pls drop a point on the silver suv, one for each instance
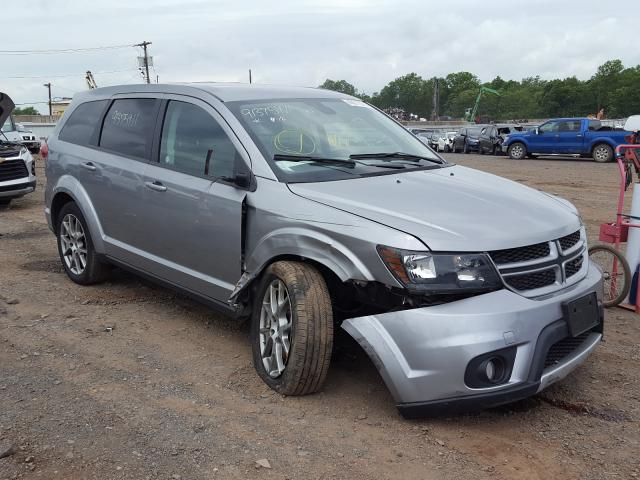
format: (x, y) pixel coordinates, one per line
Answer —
(307, 210)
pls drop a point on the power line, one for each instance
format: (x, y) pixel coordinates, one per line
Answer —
(66, 75)
(61, 50)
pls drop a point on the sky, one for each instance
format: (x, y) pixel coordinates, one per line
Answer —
(367, 43)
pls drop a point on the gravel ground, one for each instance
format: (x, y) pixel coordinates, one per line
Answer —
(130, 380)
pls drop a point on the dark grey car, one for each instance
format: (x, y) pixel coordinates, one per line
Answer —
(305, 210)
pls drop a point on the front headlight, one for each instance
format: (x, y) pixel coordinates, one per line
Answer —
(441, 272)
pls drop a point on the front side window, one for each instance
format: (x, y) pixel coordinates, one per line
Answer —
(128, 127)
(333, 134)
(194, 143)
(548, 127)
(81, 125)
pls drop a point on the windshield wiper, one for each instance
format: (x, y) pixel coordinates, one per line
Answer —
(391, 155)
(278, 157)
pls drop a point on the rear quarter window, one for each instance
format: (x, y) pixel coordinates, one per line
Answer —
(81, 125)
(128, 127)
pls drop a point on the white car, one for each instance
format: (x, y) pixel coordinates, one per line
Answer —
(445, 142)
(15, 132)
(17, 167)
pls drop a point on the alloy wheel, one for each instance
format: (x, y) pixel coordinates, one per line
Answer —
(275, 328)
(73, 244)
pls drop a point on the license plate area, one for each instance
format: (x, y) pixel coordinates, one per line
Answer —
(582, 314)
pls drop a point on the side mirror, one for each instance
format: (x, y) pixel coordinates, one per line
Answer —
(241, 180)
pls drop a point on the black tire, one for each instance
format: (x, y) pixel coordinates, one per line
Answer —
(311, 331)
(465, 149)
(4, 202)
(95, 270)
(517, 151)
(34, 151)
(605, 257)
(494, 150)
(602, 153)
(480, 150)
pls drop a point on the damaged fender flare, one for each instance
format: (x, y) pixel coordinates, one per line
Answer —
(306, 244)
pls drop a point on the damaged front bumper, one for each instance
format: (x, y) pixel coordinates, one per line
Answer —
(424, 355)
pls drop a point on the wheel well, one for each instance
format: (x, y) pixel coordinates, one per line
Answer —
(59, 201)
(332, 280)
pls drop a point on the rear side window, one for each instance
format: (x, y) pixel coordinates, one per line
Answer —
(81, 125)
(128, 127)
(193, 142)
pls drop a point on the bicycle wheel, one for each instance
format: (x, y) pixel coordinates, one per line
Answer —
(616, 274)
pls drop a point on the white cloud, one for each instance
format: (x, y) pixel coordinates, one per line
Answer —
(367, 43)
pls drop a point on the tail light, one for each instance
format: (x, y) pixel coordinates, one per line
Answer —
(44, 150)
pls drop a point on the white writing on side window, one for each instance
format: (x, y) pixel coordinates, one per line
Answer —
(124, 120)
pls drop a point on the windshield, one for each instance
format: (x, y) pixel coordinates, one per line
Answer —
(329, 129)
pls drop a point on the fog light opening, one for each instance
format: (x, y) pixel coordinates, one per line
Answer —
(493, 369)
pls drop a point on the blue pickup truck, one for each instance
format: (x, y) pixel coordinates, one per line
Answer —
(586, 137)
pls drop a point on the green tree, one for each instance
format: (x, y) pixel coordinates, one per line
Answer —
(409, 92)
(341, 86)
(25, 111)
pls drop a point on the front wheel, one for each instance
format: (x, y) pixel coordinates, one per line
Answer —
(292, 328)
(517, 151)
(616, 274)
(602, 153)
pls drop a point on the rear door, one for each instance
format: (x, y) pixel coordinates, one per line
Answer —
(193, 213)
(113, 174)
(569, 136)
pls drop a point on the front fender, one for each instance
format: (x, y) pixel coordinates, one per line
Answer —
(72, 187)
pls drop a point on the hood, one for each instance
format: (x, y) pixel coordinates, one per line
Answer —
(6, 107)
(451, 209)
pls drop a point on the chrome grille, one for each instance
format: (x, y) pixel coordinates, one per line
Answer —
(531, 281)
(544, 267)
(574, 266)
(569, 241)
(12, 170)
(521, 254)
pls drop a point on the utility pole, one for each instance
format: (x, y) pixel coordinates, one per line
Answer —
(146, 58)
(48, 85)
(435, 115)
(249, 75)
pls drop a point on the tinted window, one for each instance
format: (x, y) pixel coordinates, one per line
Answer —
(82, 123)
(128, 127)
(190, 135)
(548, 127)
(569, 126)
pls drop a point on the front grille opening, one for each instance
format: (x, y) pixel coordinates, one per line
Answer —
(570, 240)
(531, 281)
(521, 254)
(562, 349)
(574, 266)
(13, 170)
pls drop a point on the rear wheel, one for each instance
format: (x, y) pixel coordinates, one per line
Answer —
(616, 274)
(4, 202)
(517, 151)
(78, 257)
(602, 153)
(292, 328)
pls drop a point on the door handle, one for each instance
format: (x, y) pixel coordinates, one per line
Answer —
(89, 166)
(157, 186)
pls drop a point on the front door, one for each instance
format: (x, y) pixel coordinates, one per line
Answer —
(569, 136)
(544, 140)
(193, 216)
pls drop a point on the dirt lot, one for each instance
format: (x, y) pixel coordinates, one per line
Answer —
(129, 380)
